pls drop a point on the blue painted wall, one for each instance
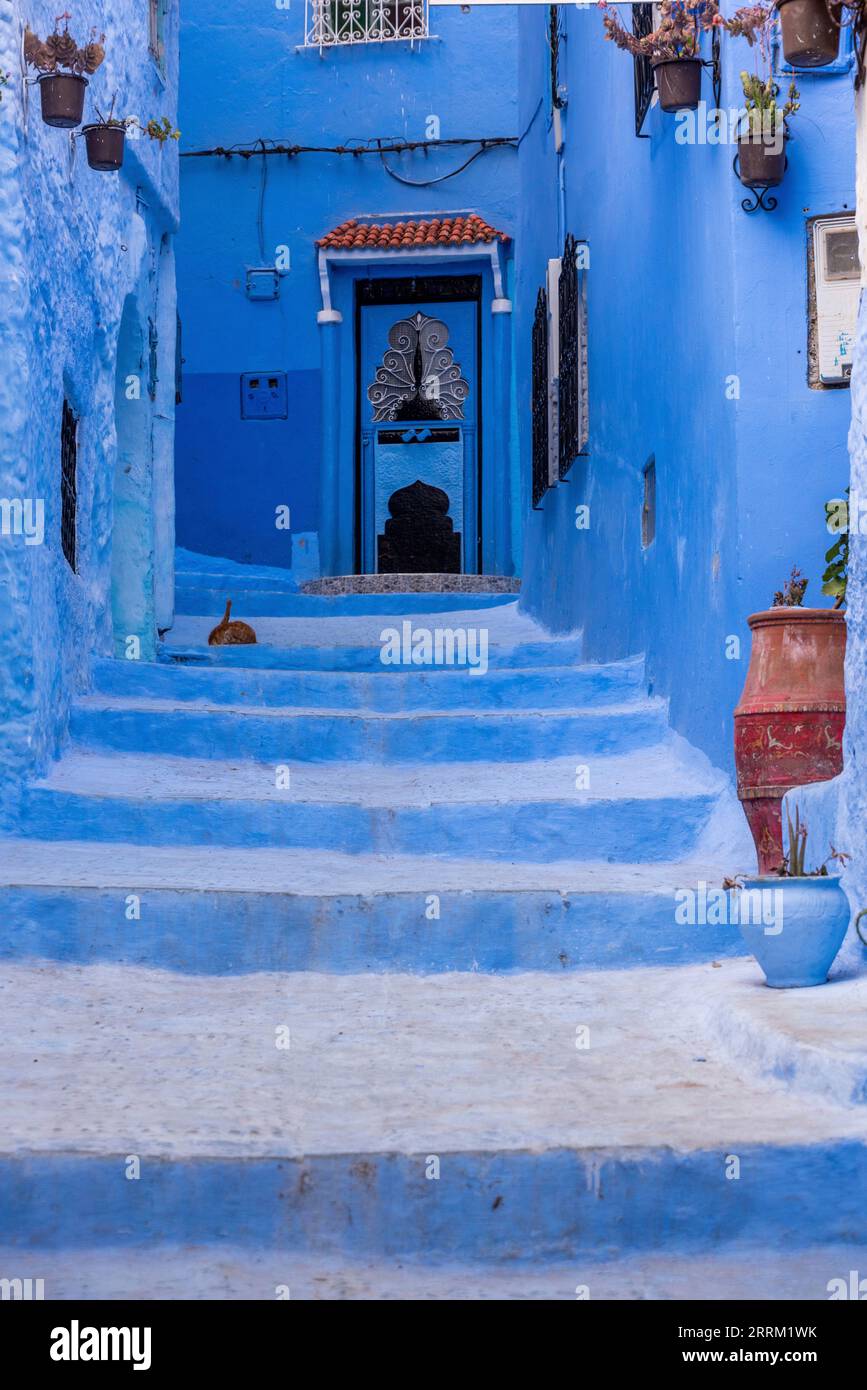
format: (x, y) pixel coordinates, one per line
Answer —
(685, 290)
(75, 246)
(245, 75)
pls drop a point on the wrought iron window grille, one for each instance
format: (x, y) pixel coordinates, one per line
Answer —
(557, 102)
(153, 359)
(644, 80)
(572, 358)
(540, 400)
(648, 504)
(336, 23)
(68, 484)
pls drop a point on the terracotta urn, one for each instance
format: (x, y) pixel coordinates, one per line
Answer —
(790, 718)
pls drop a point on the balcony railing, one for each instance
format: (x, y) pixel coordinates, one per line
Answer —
(332, 23)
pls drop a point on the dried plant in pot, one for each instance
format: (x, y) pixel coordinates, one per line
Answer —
(793, 921)
(673, 49)
(810, 32)
(61, 65)
(105, 139)
(764, 128)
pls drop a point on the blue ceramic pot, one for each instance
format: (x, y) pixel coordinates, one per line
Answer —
(794, 926)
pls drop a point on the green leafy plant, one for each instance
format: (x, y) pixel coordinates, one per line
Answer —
(836, 575)
(758, 25)
(161, 130)
(792, 594)
(157, 128)
(60, 49)
(677, 36)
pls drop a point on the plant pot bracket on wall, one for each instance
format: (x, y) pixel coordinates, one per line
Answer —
(715, 65)
(760, 192)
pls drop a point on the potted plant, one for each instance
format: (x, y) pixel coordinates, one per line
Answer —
(673, 49)
(762, 146)
(105, 138)
(811, 31)
(836, 576)
(794, 922)
(62, 93)
(789, 720)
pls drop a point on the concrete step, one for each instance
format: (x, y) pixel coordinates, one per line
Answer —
(242, 910)
(650, 806)
(275, 652)
(359, 627)
(138, 725)
(813, 1039)
(467, 1116)
(218, 1272)
(192, 567)
(208, 602)
(385, 691)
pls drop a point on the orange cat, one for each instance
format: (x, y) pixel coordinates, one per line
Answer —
(234, 634)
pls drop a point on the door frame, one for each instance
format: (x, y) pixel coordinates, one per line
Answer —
(444, 288)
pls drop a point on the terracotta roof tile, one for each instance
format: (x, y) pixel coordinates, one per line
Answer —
(400, 236)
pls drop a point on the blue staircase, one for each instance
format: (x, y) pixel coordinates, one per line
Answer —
(431, 880)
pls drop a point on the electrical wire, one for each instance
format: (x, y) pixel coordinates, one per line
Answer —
(429, 183)
(377, 145)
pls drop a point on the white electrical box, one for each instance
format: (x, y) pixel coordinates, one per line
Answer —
(837, 273)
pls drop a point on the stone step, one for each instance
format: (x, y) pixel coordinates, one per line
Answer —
(235, 1272)
(386, 691)
(236, 911)
(215, 570)
(275, 652)
(359, 627)
(346, 584)
(137, 725)
(463, 1116)
(815, 1039)
(208, 602)
(650, 806)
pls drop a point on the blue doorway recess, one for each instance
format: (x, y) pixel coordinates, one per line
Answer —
(419, 402)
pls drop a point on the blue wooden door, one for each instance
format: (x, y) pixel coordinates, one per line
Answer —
(419, 402)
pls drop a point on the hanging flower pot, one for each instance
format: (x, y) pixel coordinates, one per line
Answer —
(678, 82)
(672, 49)
(62, 96)
(105, 142)
(761, 160)
(811, 32)
(62, 92)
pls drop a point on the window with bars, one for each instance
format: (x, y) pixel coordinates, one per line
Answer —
(642, 25)
(540, 399)
(332, 23)
(648, 505)
(572, 355)
(153, 359)
(157, 32)
(68, 486)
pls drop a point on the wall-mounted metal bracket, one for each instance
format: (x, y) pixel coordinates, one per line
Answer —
(759, 192)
